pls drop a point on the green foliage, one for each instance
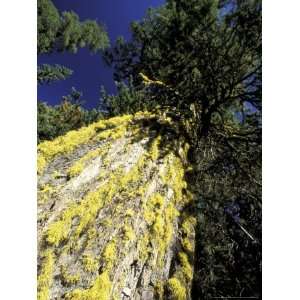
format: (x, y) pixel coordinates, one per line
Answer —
(74, 97)
(65, 32)
(48, 23)
(48, 74)
(57, 120)
(206, 60)
(127, 100)
(228, 260)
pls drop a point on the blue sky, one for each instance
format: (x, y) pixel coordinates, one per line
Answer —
(90, 72)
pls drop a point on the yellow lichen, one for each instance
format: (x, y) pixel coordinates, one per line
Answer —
(89, 207)
(174, 177)
(187, 245)
(188, 231)
(76, 169)
(149, 216)
(78, 166)
(112, 134)
(129, 212)
(186, 266)
(90, 264)
(44, 193)
(177, 290)
(58, 231)
(91, 236)
(67, 278)
(107, 222)
(115, 121)
(154, 150)
(160, 219)
(158, 226)
(129, 234)
(41, 164)
(143, 246)
(65, 144)
(156, 200)
(188, 224)
(45, 278)
(100, 290)
(170, 214)
(109, 254)
(152, 207)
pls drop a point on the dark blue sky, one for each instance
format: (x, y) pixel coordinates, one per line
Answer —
(90, 72)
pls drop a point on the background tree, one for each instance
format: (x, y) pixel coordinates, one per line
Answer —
(65, 32)
(57, 120)
(47, 74)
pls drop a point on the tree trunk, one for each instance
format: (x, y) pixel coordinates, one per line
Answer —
(113, 212)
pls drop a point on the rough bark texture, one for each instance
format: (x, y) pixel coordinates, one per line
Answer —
(113, 212)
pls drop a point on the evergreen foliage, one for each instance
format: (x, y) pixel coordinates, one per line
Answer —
(57, 120)
(127, 100)
(47, 74)
(65, 32)
(206, 60)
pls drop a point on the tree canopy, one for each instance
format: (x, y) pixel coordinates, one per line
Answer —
(207, 53)
(65, 32)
